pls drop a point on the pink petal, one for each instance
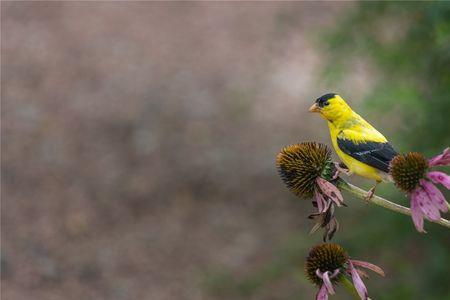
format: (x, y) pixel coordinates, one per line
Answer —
(423, 200)
(330, 190)
(416, 213)
(335, 273)
(434, 194)
(358, 283)
(440, 177)
(369, 266)
(326, 281)
(321, 204)
(441, 159)
(323, 293)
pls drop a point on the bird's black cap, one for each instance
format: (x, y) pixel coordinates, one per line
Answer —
(323, 100)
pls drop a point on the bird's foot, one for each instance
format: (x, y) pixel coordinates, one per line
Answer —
(341, 168)
(370, 194)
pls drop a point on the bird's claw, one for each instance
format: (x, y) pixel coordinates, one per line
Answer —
(341, 168)
(370, 194)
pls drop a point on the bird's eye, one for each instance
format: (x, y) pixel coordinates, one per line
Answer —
(326, 103)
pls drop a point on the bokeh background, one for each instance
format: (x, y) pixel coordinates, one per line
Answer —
(139, 139)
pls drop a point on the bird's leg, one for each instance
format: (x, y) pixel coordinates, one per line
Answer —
(341, 168)
(371, 192)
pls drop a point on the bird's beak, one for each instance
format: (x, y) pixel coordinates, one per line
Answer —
(314, 108)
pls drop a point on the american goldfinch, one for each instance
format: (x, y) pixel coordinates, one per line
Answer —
(363, 149)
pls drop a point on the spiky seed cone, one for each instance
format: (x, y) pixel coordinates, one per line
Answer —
(408, 169)
(325, 257)
(300, 164)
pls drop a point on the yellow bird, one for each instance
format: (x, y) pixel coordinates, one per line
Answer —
(362, 148)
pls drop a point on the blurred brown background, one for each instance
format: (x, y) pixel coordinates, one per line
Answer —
(139, 142)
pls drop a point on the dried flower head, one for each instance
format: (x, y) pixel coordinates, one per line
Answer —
(301, 164)
(411, 174)
(408, 169)
(308, 171)
(325, 257)
(327, 264)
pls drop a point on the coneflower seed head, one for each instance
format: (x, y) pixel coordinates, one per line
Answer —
(300, 164)
(408, 169)
(325, 257)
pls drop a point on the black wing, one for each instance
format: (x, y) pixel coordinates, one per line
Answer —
(377, 155)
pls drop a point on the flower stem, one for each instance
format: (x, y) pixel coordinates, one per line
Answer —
(361, 194)
(348, 285)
